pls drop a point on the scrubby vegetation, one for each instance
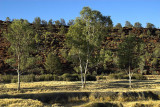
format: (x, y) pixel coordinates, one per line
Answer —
(125, 76)
(45, 77)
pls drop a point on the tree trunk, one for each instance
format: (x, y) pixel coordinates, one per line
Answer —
(81, 73)
(80, 66)
(18, 81)
(84, 81)
(18, 71)
(82, 77)
(130, 77)
(130, 81)
(85, 73)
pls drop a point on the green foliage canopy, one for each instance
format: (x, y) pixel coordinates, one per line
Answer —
(129, 52)
(52, 63)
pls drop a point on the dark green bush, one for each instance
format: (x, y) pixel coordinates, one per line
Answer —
(139, 77)
(75, 77)
(112, 76)
(66, 76)
(42, 77)
(70, 77)
(101, 77)
(90, 77)
(37, 77)
(48, 77)
(155, 73)
(27, 78)
(14, 79)
(45, 77)
(32, 77)
(117, 76)
(55, 78)
(60, 78)
(125, 76)
(6, 78)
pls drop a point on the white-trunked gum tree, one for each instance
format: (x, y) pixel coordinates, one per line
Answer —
(20, 34)
(85, 37)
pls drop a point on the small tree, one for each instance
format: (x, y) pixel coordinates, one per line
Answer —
(106, 56)
(71, 22)
(128, 24)
(148, 32)
(118, 26)
(44, 23)
(50, 26)
(137, 25)
(20, 35)
(158, 33)
(143, 58)
(57, 23)
(53, 64)
(156, 55)
(8, 19)
(108, 21)
(62, 22)
(129, 55)
(150, 26)
(37, 23)
(63, 30)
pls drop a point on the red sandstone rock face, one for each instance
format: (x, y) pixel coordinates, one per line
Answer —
(111, 42)
(4, 45)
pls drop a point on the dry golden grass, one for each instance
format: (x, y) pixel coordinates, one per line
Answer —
(149, 103)
(96, 86)
(20, 103)
(127, 104)
(64, 86)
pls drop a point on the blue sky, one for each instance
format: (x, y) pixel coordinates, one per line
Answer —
(142, 11)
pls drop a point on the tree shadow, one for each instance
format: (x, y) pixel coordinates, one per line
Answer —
(51, 98)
